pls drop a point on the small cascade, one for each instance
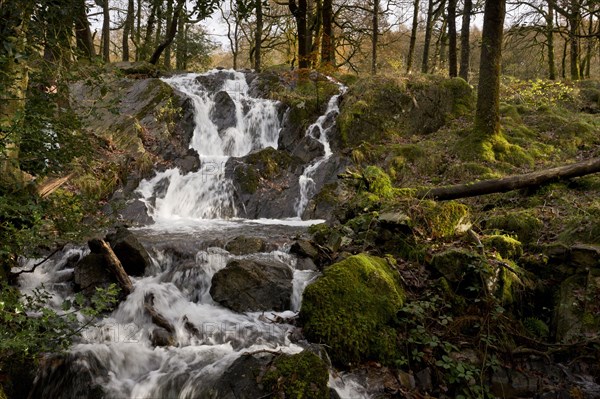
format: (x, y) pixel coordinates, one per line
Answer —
(228, 123)
(319, 131)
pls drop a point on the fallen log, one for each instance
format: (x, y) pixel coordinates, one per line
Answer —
(510, 183)
(114, 264)
(157, 318)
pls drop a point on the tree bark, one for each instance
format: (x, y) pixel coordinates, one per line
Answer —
(171, 32)
(374, 37)
(413, 36)
(574, 22)
(181, 53)
(512, 182)
(167, 57)
(156, 317)
(127, 29)
(427, 43)
(83, 33)
(105, 31)
(452, 46)
(487, 116)
(299, 12)
(327, 39)
(114, 264)
(258, 33)
(550, 41)
(465, 40)
(145, 47)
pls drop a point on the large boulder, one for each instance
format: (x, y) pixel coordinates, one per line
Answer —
(223, 114)
(131, 253)
(250, 285)
(214, 81)
(350, 309)
(92, 272)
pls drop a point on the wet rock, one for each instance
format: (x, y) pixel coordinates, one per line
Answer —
(240, 380)
(223, 113)
(92, 272)
(135, 212)
(214, 81)
(243, 245)
(71, 375)
(585, 256)
(161, 337)
(138, 69)
(304, 248)
(250, 285)
(308, 149)
(306, 264)
(131, 253)
(188, 163)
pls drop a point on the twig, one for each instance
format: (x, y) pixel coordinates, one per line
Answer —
(39, 263)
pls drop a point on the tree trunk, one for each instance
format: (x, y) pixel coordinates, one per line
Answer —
(15, 16)
(590, 45)
(59, 22)
(167, 58)
(427, 43)
(83, 33)
(413, 36)
(452, 46)
(487, 117)
(327, 39)
(465, 40)
(258, 33)
(145, 47)
(181, 54)
(299, 12)
(170, 34)
(138, 31)
(105, 31)
(574, 22)
(550, 41)
(510, 183)
(374, 37)
(127, 28)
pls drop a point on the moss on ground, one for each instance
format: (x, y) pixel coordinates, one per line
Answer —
(300, 376)
(350, 309)
(506, 246)
(524, 224)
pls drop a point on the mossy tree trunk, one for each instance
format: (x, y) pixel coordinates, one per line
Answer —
(83, 33)
(258, 33)
(487, 118)
(413, 36)
(15, 16)
(427, 43)
(105, 31)
(550, 41)
(452, 45)
(465, 40)
(127, 29)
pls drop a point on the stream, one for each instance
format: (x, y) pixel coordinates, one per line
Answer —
(195, 216)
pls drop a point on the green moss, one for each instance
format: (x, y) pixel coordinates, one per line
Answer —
(524, 224)
(300, 376)
(506, 246)
(440, 219)
(462, 94)
(378, 182)
(349, 308)
(536, 328)
(247, 178)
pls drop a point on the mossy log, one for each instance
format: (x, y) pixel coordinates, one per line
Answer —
(512, 182)
(114, 264)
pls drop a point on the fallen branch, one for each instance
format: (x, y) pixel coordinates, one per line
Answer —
(512, 182)
(114, 264)
(52, 185)
(39, 263)
(157, 318)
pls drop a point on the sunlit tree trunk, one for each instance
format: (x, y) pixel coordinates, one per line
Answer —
(465, 40)
(413, 36)
(487, 117)
(574, 22)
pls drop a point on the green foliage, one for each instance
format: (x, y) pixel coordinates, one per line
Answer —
(537, 93)
(349, 308)
(300, 376)
(29, 327)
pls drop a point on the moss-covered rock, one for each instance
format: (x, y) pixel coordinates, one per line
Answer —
(349, 309)
(524, 224)
(300, 376)
(440, 219)
(506, 246)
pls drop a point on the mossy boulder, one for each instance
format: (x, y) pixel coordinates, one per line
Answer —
(524, 224)
(577, 310)
(506, 246)
(350, 309)
(300, 376)
(440, 219)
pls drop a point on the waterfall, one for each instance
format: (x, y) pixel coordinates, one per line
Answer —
(319, 131)
(228, 123)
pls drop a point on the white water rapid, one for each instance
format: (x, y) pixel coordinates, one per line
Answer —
(319, 131)
(207, 193)
(195, 216)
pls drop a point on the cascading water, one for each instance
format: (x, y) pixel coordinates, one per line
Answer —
(319, 131)
(117, 354)
(251, 124)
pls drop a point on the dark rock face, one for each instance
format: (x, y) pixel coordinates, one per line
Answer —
(91, 272)
(161, 337)
(223, 114)
(308, 149)
(243, 245)
(250, 285)
(70, 376)
(131, 253)
(265, 183)
(134, 212)
(215, 81)
(240, 380)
